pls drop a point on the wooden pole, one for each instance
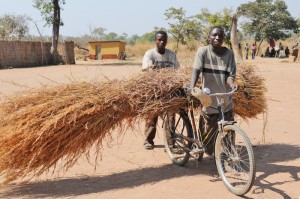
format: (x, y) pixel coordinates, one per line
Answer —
(234, 41)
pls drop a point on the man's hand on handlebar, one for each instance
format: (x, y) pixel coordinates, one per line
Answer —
(233, 86)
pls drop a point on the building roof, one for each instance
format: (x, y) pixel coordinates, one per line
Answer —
(106, 41)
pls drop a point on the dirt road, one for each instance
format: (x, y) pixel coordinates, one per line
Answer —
(128, 171)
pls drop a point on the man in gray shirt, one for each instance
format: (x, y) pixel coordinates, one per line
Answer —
(157, 58)
(216, 67)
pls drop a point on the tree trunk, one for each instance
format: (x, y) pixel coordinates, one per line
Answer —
(234, 40)
(55, 31)
(258, 47)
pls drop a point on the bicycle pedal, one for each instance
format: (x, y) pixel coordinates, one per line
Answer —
(196, 152)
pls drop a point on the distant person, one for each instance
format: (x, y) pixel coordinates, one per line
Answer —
(272, 43)
(253, 49)
(287, 52)
(281, 51)
(272, 52)
(295, 52)
(246, 51)
(276, 51)
(155, 59)
(267, 52)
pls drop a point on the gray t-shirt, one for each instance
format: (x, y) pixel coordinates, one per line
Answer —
(214, 71)
(166, 60)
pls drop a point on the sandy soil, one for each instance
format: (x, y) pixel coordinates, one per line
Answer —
(128, 171)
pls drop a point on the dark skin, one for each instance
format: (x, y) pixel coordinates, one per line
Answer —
(161, 41)
(216, 39)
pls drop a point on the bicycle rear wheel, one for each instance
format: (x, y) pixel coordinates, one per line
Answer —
(235, 159)
(176, 147)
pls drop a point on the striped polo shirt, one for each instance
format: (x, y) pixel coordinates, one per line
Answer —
(214, 71)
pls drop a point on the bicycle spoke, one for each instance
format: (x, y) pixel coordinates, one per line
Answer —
(235, 162)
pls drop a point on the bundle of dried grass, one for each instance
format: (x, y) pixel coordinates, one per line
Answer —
(250, 100)
(39, 128)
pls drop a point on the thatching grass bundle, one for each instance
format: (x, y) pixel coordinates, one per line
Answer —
(250, 100)
(39, 128)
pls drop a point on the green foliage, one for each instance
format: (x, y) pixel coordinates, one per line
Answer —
(97, 33)
(110, 37)
(267, 19)
(133, 39)
(208, 20)
(14, 27)
(184, 29)
(46, 8)
(123, 37)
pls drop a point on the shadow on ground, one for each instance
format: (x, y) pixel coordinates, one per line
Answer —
(266, 155)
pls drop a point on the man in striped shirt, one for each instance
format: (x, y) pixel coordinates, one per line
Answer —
(216, 67)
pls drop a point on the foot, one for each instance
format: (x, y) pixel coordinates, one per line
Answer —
(148, 145)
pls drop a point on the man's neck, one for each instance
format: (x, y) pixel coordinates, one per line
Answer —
(218, 50)
(161, 51)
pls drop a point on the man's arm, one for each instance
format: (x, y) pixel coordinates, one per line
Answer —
(230, 80)
(148, 62)
(195, 76)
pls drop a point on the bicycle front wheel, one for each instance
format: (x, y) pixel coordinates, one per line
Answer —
(235, 159)
(176, 127)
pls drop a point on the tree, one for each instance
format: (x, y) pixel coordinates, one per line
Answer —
(183, 29)
(123, 37)
(50, 10)
(147, 37)
(208, 20)
(133, 39)
(14, 27)
(267, 19)
(110, 37)
(97, 33)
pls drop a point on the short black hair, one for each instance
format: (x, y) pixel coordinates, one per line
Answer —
(161, 32)
(214, 27)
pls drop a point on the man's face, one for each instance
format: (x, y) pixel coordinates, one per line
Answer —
(161, 41)
(216, 37)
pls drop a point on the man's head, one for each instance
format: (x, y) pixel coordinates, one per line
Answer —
(216, 36)
(161, 40)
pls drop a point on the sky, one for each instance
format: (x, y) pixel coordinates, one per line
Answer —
(119, 16)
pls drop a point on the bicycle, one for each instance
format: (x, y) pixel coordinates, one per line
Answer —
(233, 153)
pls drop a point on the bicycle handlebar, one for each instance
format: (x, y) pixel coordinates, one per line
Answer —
(223, 94)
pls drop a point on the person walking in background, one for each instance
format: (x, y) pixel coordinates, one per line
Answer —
(281, 51)
(272, 43)
(216, 67)
(246, 51)
(155, 59)
(253, 49)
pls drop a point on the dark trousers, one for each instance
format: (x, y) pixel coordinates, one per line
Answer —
(150, 129)
(253, 54)
(208, 125)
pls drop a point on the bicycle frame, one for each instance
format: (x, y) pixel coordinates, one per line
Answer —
(197, 134)
(233, 153)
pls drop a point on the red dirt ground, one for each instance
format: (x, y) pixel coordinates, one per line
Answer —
(128, 171)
